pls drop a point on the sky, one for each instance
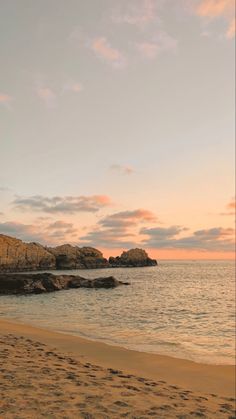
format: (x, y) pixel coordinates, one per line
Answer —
(117, 125)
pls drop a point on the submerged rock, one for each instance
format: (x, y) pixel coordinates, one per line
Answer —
(47, 282)
(132, 258)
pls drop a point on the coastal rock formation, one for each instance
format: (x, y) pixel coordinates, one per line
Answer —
(74, 257)
(132, 258)
(47, 282)
(15, 255)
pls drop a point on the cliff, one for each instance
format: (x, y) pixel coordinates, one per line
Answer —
(16, 256)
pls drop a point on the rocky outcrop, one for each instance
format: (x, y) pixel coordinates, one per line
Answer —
(16, 255)
(74, 257)
(132, 258)
(46, 282)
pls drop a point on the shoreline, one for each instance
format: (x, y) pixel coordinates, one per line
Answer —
(197, 377)
(111, 344)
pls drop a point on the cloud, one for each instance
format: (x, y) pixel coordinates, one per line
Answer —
(137, 12)
(213, 9)
(145, 16)
(230, 208)
(214, 239)
(127, 218)
(48, 234)
(104, 50)
(160, 42)
(107, 239)
(100, 46)
(5, 100)
(59, 224)
(117, 230)
(124, 170)
(63, 205)
(25, 232)
(47, 96)
(61, 228)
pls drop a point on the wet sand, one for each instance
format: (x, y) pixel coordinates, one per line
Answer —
(45, 374)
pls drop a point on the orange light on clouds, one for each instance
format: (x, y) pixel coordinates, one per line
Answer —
(219, 8)
(213, 8)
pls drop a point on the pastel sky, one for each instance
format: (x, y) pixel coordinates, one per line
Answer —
(117, 124)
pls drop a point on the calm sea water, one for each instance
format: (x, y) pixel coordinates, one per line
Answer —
(180, 308)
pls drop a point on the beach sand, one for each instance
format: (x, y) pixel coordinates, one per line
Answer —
(45, 374)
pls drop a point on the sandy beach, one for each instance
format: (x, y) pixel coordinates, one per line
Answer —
(46, 374)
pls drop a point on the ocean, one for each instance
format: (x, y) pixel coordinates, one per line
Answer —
(184, 309)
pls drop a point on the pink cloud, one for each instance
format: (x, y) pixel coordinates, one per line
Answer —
(103, 49)
(101, 199)
(5, 100)
(127, 218)
(144, 215)
(47, 96)
(213, 9)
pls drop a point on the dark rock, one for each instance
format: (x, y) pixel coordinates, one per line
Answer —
(132, 258)
(47, 282)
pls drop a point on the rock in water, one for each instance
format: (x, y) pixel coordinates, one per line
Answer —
(132, 258)
(17, 256)
(24, 283)
(74, 257)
